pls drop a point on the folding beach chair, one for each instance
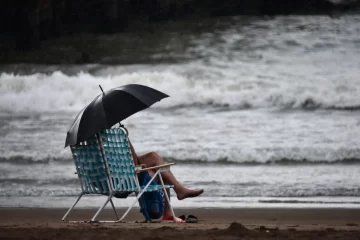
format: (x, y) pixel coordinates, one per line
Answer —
(105, 166)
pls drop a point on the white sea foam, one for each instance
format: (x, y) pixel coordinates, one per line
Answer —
(60, 92)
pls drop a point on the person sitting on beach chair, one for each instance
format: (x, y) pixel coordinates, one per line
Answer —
(152, 159)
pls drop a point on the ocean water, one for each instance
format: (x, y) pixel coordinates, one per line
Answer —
(263, 112)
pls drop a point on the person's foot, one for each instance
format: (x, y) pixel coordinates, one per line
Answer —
(189, 193)
(171, 219)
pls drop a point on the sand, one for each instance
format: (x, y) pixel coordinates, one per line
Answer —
(253, 223)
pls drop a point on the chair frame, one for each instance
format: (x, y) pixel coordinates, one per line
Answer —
(112, 191)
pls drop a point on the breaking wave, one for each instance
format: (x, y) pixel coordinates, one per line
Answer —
(25, 160)
(27, 181)
(307, 104)
(30, 93)
(308, 202)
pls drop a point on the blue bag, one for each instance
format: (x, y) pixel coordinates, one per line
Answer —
(152, 204)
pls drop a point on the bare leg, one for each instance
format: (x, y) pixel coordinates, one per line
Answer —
(153, 159)
(167, 210)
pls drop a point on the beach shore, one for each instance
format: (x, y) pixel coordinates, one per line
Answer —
(214, 223)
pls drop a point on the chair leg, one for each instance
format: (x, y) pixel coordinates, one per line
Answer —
(72, 207)
(132, 205)
(137, 197)
(113, 206)
(167, 197)
(102, 207)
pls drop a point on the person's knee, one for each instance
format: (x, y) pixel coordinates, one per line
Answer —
(154, 155)
(151, 159)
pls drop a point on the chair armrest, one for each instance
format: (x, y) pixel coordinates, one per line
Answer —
(156, 167)
(139, 167)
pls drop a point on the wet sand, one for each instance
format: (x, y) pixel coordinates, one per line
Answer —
(254, 223)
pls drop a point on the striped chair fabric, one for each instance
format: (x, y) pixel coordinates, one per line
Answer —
(120, 162)
(90, 167)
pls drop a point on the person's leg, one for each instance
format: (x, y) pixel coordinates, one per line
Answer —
(167, 209)
(153, 159)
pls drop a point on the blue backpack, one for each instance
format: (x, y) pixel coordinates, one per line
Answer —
(152, 204)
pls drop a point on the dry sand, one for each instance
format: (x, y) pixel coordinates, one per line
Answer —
(254, 223)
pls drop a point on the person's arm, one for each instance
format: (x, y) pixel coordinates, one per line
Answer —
(135, 157)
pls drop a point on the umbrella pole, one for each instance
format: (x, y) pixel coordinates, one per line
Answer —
(101, 146)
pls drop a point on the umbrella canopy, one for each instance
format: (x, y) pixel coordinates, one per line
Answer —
(110, 108)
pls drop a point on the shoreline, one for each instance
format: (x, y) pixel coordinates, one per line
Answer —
(247, 216)
(204, 202)
(216, 223)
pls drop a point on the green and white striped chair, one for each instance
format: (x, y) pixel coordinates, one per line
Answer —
(105, 166)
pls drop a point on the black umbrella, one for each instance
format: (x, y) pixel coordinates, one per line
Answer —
(110, 108)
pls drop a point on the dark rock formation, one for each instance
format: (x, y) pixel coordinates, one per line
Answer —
(269, 7)
(32, 21)
(28, 25)
(110, 16)
(158, 10)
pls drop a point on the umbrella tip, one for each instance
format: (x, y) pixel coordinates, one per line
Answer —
(101, 89)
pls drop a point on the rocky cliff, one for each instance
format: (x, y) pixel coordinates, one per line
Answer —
(32, 21)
